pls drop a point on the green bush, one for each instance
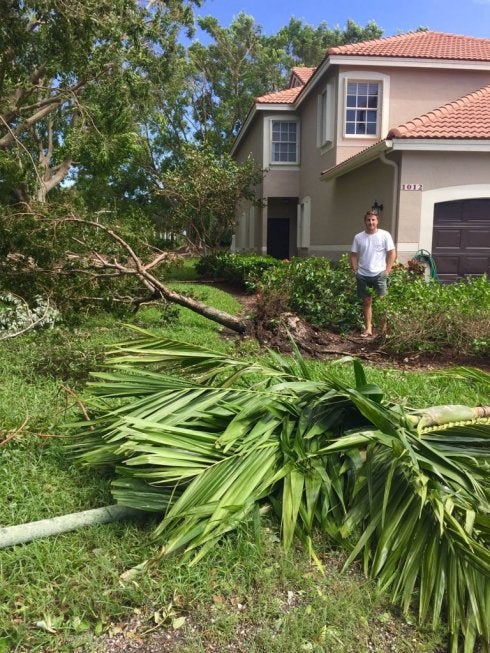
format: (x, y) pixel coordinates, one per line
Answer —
(323, 293)
(241, 270)
(430, 316)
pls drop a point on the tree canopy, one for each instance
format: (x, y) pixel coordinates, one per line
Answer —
(74, 78)
(100, 94)
(107, 113)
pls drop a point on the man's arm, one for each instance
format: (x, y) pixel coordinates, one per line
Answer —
(390, 259)
(354, 261)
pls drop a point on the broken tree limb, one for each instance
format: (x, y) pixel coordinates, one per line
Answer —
(138, 268)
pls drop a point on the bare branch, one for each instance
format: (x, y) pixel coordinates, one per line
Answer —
(163, 256)
(70, 392)
(49, 105)
(14, 433)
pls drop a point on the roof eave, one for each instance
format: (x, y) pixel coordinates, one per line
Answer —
(361, 159)
(407, 62)
(441, 144)
(258, 106)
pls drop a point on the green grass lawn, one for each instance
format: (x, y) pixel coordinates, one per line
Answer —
(66, 593)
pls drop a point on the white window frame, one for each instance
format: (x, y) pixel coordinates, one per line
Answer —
(364, 76)
(325, 116)
(268, 141)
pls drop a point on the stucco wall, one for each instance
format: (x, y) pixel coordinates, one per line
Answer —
(281, 183)
(412, 92)
(416, 91)
(445, 176)
(251, 145)
(346, 200)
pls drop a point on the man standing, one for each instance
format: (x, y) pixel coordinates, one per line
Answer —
(371, 259)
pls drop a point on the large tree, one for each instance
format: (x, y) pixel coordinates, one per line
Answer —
(73, 77)
(241, 63)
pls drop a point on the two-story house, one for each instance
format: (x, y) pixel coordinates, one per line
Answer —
(401, 124)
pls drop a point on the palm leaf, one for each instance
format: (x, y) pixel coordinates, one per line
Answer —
(204, 438)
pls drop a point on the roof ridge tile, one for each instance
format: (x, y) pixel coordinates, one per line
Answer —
(420, 45)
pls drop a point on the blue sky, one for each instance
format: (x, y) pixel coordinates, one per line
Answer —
(469, 17)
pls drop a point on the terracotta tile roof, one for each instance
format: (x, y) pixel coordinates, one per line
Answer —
(288, 96)
(303, 73)
(467, 117)
(423, 45)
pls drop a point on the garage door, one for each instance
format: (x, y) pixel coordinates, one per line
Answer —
(461, 238)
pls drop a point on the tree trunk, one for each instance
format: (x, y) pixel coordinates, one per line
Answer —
(225, 319)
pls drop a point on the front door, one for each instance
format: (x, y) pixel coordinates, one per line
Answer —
(278, 237)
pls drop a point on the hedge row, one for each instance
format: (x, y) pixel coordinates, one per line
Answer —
(420, 315)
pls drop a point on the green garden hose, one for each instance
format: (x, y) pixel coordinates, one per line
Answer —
(423, 256)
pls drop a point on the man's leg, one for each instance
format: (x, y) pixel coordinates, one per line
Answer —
(381, 288)
(364, 294)
(367, 309)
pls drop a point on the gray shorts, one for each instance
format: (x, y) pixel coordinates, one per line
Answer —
(378, 283)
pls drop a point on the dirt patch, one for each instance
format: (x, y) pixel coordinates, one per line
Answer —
(322, 344)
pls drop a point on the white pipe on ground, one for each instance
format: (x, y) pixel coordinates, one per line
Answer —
(22, 533)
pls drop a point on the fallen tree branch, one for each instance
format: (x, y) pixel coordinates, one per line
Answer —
(70, 392)
(136, 267)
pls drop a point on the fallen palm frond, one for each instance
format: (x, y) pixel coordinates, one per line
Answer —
(409, 488)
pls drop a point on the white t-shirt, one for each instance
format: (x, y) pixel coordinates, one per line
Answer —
(372, 250)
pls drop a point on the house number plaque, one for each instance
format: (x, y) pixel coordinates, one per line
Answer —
(412, 186)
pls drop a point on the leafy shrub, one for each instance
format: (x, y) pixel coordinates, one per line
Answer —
(209, 266)
(241, 270)
(322, 292)
(430, 316)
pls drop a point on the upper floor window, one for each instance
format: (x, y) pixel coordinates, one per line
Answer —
(362, 108)
(284, 141)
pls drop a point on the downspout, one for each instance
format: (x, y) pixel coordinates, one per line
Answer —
(22, 533)
(395, 193)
